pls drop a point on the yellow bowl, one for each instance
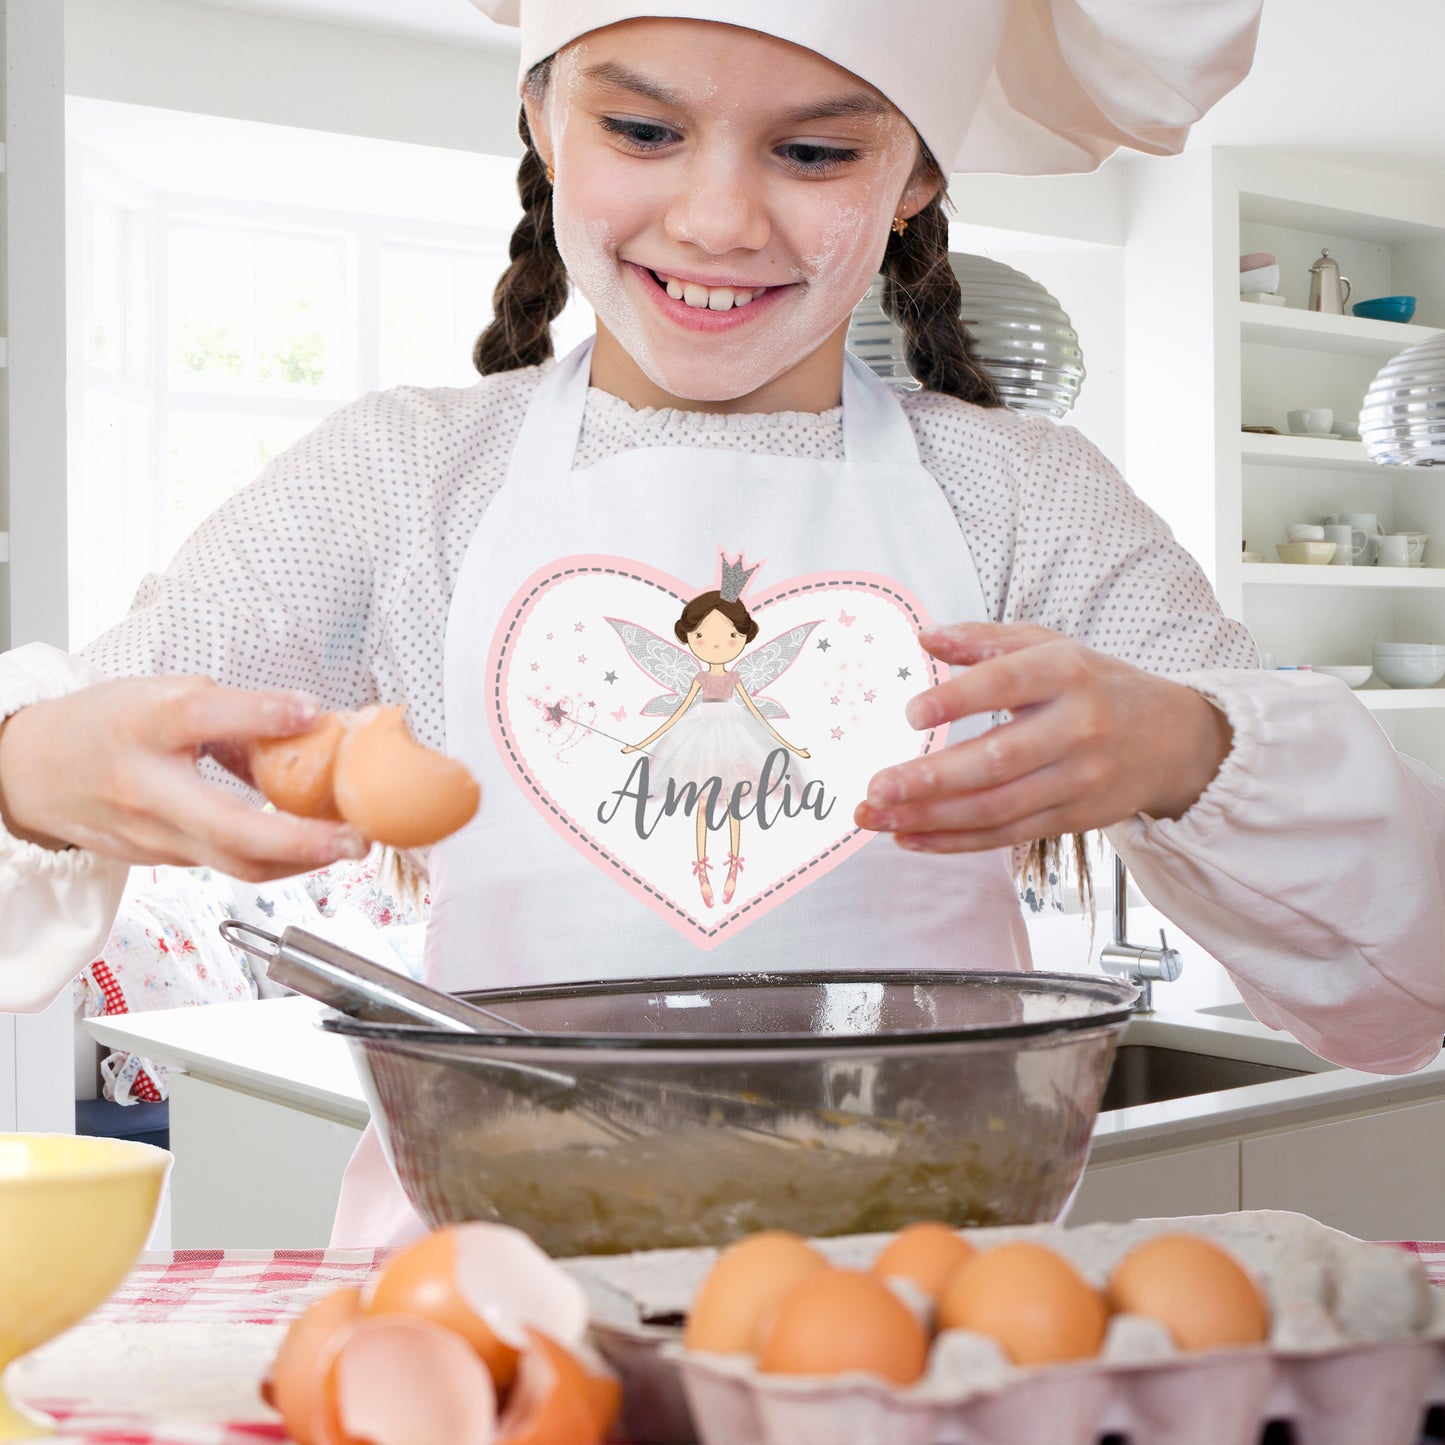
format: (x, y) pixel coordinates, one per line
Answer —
(74, 1214)
(1313, 554)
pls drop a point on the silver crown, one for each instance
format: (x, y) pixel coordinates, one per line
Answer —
(734, 578)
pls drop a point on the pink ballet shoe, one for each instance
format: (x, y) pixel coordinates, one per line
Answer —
(735, 866)
(699, 871)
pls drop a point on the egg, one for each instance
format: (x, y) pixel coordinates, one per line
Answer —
(555, 1400)
(1193, 1287)
(839, 1320)
(393, 790)
(396, 1380)
(488, 1283)
(291, 1387)
(926, 1254)
(1030, 1300)
(295, 772)
(744, 1287)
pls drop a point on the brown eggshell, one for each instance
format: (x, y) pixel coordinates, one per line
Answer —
(554, 1400)
(487, 1283)
(1197, 1290)
(1029, 1299)
(295, 772)
(291, 1387)
(395, 1380)
(926, 1254)
(393, 790)
(840, 1320)
(740, 1293)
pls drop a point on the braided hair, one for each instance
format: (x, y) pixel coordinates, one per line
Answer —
(533, 289)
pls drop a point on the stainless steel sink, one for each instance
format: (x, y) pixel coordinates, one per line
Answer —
(1149, 1074)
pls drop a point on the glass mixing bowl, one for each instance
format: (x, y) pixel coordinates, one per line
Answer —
(678, 1112)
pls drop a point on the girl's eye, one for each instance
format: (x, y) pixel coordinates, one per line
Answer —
(638, 135)
(816, 159)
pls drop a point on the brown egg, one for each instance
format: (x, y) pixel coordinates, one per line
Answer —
(1196, 1289)
(393, 790)
(926, 1254)
(555, 1401)
(1029, 1299)
(743, 1289)
(291, 1386)
(487, 1283)
(839, 1320)
(295, 772)
(396, 1380)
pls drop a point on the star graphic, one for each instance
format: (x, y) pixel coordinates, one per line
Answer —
(869, 696)
(609, 677)
(867, 637)
(581, 657)
(536, 666)
(838, 734)
(578, 627)
(834, 701)
(823, 644)
(549, 637)
(903, 673)
(555, 712)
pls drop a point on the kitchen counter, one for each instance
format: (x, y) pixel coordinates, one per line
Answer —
(1360, 1151)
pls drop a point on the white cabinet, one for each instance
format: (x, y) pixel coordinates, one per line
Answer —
(1204, 1180)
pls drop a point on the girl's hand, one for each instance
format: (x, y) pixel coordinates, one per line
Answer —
(1092, 740)
(112, 768)
(630, 748)
(802, 752)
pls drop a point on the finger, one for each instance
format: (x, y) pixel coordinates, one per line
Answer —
(232, 756)
(964, 643)
(1051, 823)
(1007, 682)
(203, 713)
(989, 808)
(999, 756)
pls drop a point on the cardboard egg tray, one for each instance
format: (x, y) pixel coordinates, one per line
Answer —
(1356, 1355)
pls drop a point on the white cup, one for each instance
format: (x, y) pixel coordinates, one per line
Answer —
(1349, 543)
(1397, 549)
(1366, 522)
(1311, 420)
(1417, 557)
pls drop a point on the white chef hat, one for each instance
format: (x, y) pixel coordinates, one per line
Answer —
(1022, 87)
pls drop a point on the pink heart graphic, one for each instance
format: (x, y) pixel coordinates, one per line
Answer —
(587, 675)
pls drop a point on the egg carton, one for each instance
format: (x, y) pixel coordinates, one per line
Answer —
(1356, 1354)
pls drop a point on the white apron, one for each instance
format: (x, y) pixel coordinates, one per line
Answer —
(561, 650)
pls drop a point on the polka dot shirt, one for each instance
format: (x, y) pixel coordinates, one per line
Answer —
(333, 571)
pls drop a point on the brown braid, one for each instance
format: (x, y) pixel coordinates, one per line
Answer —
(921, 295)
(533, 289)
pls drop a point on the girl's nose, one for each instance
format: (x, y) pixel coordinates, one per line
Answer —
(718, 212)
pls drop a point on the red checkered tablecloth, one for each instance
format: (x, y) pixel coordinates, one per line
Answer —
(174, 1356)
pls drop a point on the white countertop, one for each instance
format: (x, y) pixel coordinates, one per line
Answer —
(272, 1049)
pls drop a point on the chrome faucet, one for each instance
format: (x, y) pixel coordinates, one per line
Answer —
(1140, 964)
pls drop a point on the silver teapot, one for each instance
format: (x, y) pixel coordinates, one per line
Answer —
(1329, 291)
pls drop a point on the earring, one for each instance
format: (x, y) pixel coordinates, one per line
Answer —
(551, 176)
(899, 225)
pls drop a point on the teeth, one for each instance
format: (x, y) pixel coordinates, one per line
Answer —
(714, 298)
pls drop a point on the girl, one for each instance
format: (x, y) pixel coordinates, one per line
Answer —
(721, 184)
(719, 741)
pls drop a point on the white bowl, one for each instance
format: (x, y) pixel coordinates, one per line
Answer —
(1262, 278)
(1267, 298)
(1407, 649)
(1311, 554)
(1403, 671)
(1353, 676)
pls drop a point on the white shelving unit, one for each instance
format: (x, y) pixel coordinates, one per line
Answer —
(1219, 364)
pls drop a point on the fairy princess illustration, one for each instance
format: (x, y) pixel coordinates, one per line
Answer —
(704, 741)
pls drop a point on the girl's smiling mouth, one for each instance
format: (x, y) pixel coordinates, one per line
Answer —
(705, 308)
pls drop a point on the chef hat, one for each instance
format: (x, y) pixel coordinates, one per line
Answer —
(1023, 87)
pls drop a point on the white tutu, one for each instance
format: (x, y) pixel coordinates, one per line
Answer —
(717, 740)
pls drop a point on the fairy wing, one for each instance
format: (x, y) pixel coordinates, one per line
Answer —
(767, 662)
(663, 661)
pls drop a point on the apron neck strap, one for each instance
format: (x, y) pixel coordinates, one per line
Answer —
(876, 432)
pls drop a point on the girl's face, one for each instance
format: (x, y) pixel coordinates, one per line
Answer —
(723, 200)
(716, 640)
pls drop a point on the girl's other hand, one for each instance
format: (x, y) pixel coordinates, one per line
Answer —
(1092, 740)
(112, 768)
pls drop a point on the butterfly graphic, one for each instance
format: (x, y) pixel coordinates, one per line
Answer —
(620, 714)
(847, 618)
(675, 667)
